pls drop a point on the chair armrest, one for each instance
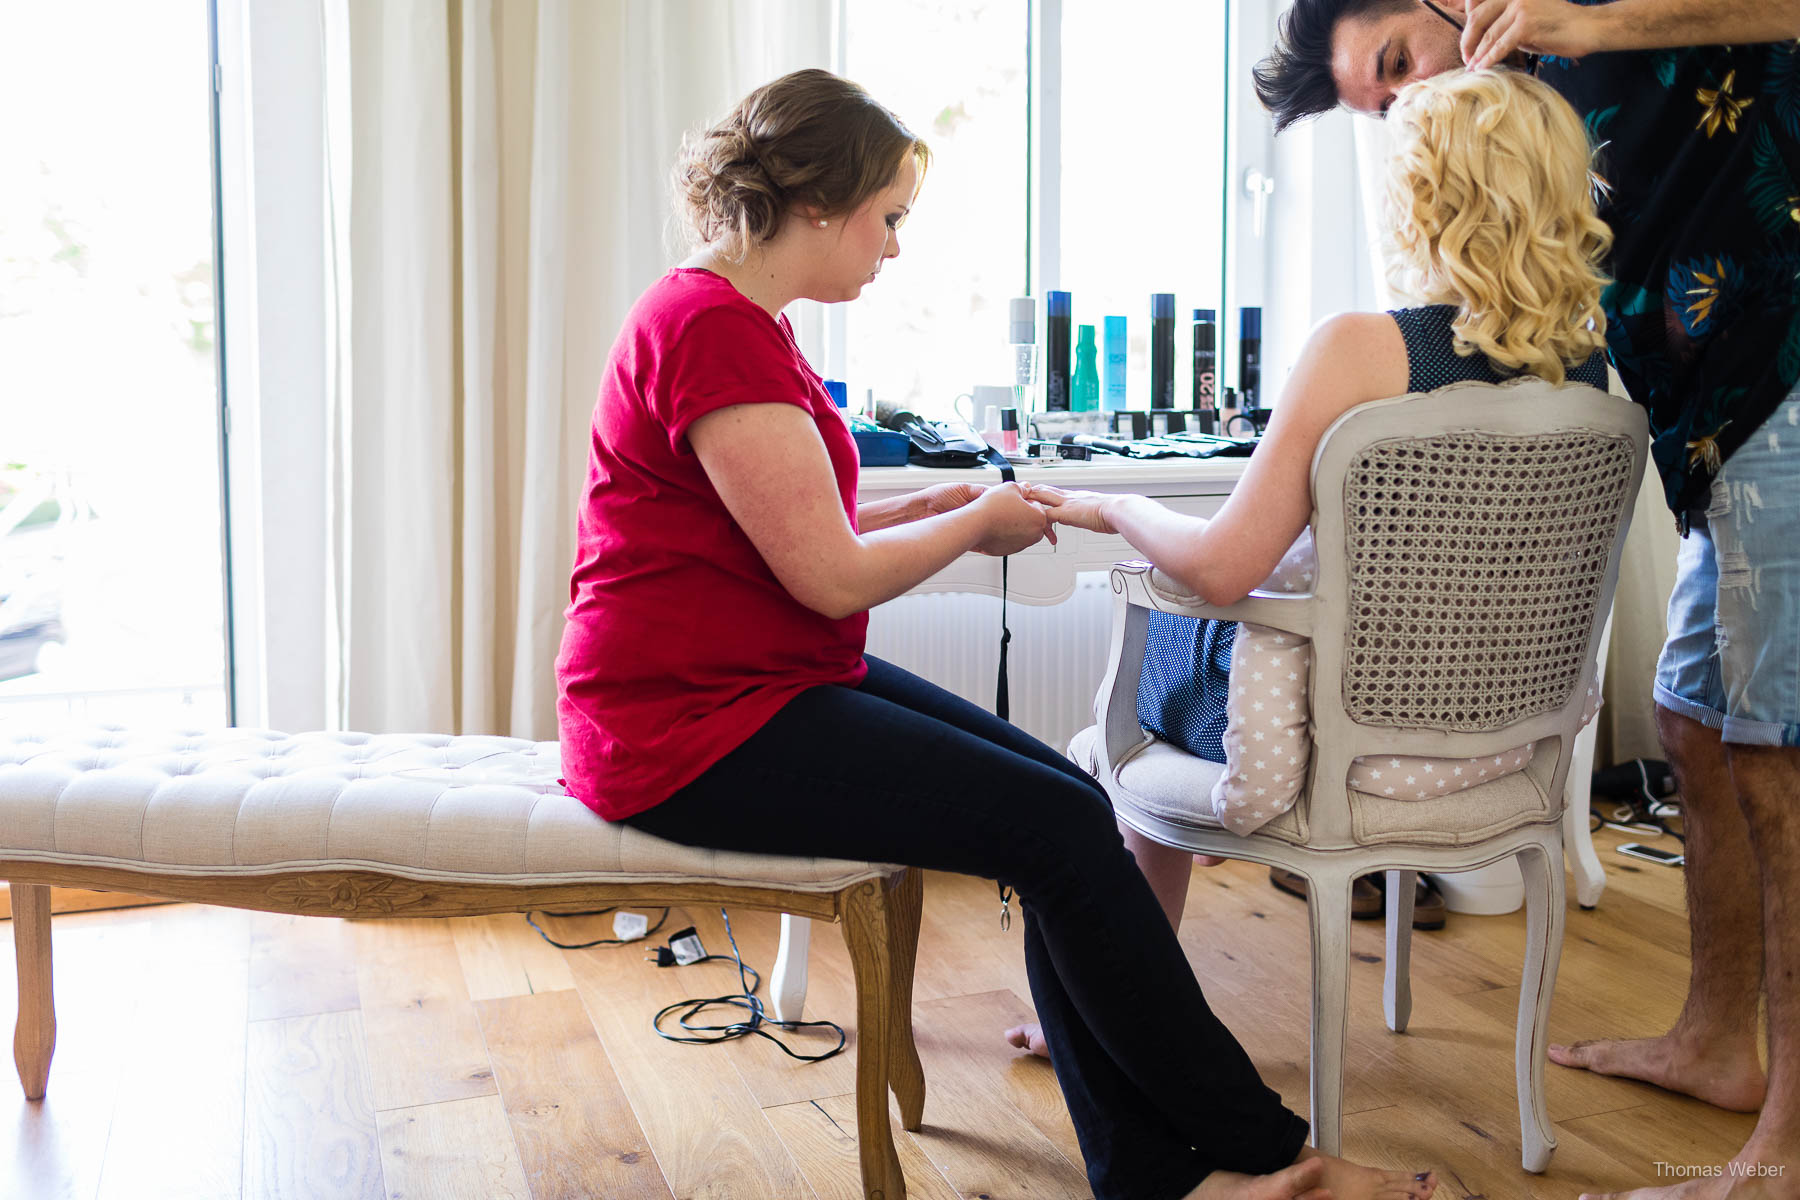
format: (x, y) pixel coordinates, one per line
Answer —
(1145, 586)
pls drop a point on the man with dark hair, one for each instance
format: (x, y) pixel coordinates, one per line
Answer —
(1699, 146)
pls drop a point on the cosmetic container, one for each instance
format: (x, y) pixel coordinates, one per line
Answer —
(1162, 350)
(1009, 431)
(1206, 360)
(1056, 351)
(1113, 384)
(1021, 336)
(1085, 390)
(1250, 357)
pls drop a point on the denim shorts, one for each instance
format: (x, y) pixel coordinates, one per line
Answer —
(1732, 661)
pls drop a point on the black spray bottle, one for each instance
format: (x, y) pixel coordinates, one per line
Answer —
(1206, 361)
(1162, 350)
(1057, 346)
(1250, 357)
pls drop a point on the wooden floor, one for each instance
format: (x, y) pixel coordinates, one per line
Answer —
(213, 1053)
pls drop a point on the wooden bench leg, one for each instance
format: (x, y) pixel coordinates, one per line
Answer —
(870, 935)
(34, 1041)
(906, 1075)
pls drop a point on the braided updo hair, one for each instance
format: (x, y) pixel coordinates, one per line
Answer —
(808, 140)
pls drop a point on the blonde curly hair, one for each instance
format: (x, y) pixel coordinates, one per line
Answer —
(1491, 208)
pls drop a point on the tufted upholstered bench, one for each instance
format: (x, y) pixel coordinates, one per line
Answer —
(350, 824)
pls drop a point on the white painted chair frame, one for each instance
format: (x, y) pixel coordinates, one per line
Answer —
(1331, 857)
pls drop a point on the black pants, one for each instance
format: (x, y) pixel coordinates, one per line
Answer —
(899, 770)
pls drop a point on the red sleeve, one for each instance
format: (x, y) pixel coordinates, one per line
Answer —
(725, 356)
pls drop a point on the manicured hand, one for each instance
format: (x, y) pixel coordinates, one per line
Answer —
(1497, 29)
(948, 497)
(1012, 522)
(1084, 510)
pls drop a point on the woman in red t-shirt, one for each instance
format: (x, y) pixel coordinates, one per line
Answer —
(714, 689)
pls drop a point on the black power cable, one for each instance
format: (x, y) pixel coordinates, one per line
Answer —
(592, 912)
(747, 1000)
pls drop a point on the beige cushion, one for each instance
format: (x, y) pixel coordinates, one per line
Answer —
(1175, 786)
(432, 807)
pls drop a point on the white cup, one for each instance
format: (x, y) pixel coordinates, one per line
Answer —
(981, 408)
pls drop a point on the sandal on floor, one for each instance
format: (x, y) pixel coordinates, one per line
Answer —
(1366, 902)
(1368, 897)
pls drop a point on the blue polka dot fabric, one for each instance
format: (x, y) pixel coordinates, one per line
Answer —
(1186, 677)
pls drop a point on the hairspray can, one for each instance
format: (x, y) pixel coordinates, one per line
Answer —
(1250, 357)
(1113, 385)
(1057, 347)
(1162, 350)
(1206, 360)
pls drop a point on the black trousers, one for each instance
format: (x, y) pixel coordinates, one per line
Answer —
(899, 770)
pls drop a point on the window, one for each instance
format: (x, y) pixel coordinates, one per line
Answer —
(111, 598)
(934, 324)
(1119, 193)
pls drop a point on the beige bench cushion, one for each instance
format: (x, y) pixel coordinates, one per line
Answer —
(240, 802)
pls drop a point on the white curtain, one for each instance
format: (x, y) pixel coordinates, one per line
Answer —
(497, 200)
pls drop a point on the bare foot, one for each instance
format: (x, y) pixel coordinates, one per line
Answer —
(1729, 1077)
(1028, 1037)
(1345, 1180)
(1298, 1182)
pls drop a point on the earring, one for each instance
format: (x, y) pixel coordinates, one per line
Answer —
(822, 224)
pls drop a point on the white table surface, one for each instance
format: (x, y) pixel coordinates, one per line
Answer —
(1045, 574)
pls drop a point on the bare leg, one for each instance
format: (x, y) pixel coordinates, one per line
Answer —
(1767, 780)
(1710, 1052)
(1168, 871)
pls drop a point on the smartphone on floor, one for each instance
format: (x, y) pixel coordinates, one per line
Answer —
(1668, 858)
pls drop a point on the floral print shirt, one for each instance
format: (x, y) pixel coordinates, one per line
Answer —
(1699, 153)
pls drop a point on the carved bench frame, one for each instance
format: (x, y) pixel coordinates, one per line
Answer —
(880, 918)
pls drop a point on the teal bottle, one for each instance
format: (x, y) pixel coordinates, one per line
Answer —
(1086, 387)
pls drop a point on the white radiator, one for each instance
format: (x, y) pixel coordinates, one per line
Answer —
(1057, 655)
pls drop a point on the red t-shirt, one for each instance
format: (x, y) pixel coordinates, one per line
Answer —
(680, 642)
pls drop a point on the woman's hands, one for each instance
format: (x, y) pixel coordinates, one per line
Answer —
(948, 497)
(1085, 510)
(1010, 520)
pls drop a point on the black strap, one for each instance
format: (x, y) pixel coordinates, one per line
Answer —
(1002, 698)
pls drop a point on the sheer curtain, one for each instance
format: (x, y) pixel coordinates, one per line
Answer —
(496, 201)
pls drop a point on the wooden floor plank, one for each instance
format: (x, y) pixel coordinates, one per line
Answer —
(300, 966)
(973, 1133)
(573, 1126)
(821, 1136)
(309, 1115)
(704, 1126)
(967, 1028)
(450, 1150)
(503, 956)
(424, 1043)
(177, 1127)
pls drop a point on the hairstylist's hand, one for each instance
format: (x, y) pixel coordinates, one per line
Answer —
(1496, 29)
(1085, 510)
(1012, 522)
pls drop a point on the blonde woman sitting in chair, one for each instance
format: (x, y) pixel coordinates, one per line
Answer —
(1492, 212)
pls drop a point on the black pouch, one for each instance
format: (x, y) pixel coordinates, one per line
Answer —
(935, 446)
